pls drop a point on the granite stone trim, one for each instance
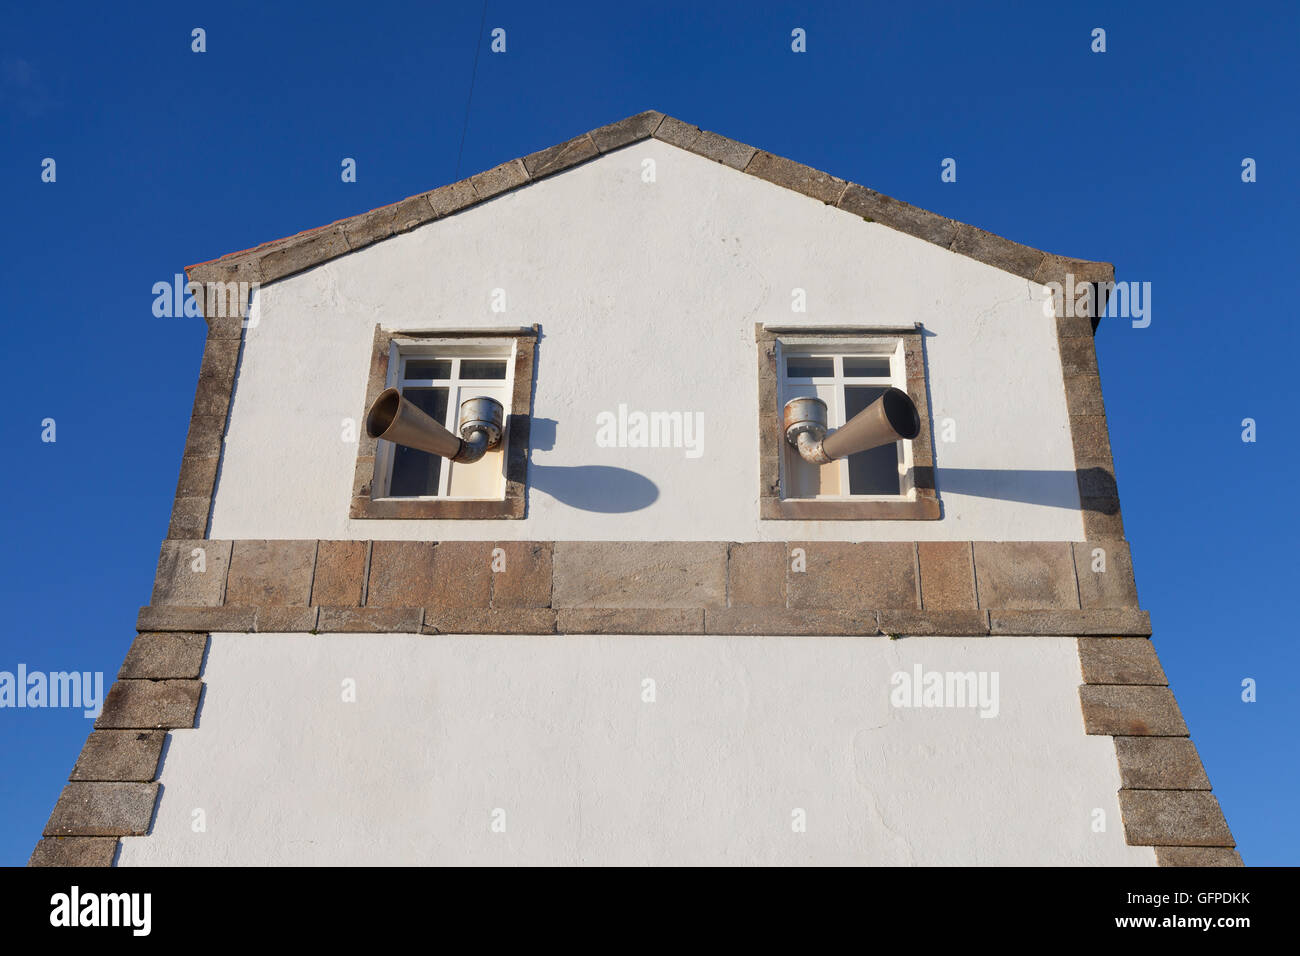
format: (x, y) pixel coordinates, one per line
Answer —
(1197, 856)
(1094, 466)
(204, 443)
(772, 506)
(113, 788)
(513, 504)
(103, 810)
(957, 587)
(74, 851)
(1164, 797)
(282, 257)
(120, 756)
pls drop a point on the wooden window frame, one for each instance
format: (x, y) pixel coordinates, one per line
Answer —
(922, 502)
(370, 465)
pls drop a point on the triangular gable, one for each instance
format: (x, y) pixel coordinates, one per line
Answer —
(283, 257)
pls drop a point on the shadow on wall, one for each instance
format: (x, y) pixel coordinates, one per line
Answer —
(607, 490)
(1054, 489)
(598, 488)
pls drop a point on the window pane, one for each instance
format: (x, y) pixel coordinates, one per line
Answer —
(798, 366)
(416, 472)
(483, 368)
(428, 368)
(875, 471)
(866, 366)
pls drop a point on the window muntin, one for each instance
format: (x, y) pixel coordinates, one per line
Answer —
(847, 377)
(437, 377)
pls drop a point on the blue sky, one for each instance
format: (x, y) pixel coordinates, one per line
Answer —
(166, 157)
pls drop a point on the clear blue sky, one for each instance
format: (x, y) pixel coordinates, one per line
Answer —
(166, 157)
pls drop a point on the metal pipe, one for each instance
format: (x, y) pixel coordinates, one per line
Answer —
(890, 418)
(394, 418)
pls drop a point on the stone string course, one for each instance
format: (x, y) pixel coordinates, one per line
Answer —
(636, 587)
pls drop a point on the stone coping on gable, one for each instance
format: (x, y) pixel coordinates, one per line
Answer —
(283, 257)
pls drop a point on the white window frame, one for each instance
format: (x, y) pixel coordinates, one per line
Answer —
(837, 349)
(402, 350)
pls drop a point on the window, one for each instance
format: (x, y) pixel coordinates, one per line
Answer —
(848, 369)
(436, 379)
(437, 371)
(847, 383)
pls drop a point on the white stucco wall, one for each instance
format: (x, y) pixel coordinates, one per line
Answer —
(554, 731)
(647, 295)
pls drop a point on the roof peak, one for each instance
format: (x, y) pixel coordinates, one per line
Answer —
(283, 257)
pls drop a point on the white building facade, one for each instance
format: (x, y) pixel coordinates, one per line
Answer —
(642, 630)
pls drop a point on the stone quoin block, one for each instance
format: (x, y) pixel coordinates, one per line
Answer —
(401, 574)
(1025, 575)
(148, 704)
(120, 755)
(1114, 586)
(1119, 660)
(103, 809)
(1173, 818)
(192, 573)
(157, 655)
(1160, 763)
(1197, 856)
(875, 574)
(74, 851)
(756, 574)
(947, 575)
(462, 576)
(340, 573)
(189, 517)
(1070, 623)
(204, 438)
(1130, 710)
(524, 578)
(640, 574)
(197, 477)
(270, 573)
(164, 618)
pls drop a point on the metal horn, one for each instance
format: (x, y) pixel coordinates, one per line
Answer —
(394, 418)
(890, 418)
